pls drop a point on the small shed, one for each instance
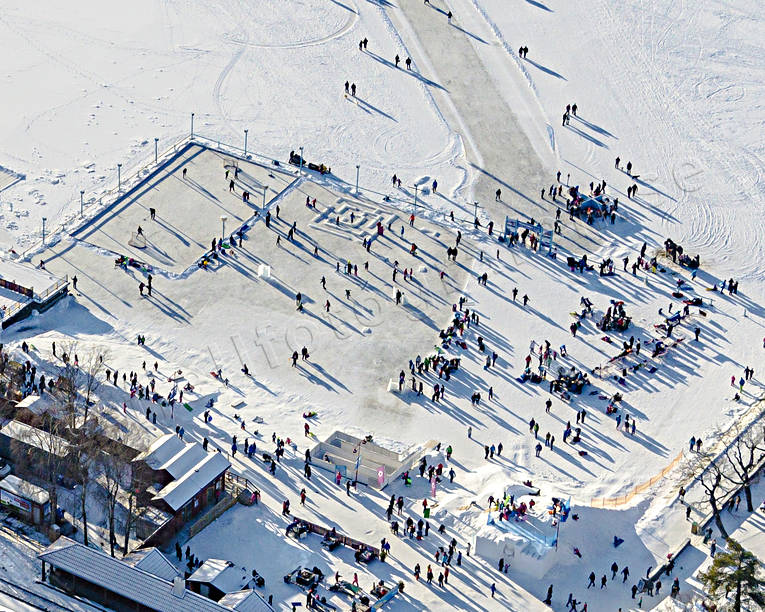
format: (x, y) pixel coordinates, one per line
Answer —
(24, 499)
(216, 578)
(31, 449)
(245, 601)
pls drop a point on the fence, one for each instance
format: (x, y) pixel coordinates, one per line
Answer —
(212, 514)
(108, 197)
(611, 502)
(238, 483)
(343, 539)
(40, 302)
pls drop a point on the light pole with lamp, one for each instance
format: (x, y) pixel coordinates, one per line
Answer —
(119, 177)
(357, 179)
(82, 194)
(44, 219)
(223, 219)
(415, 200)
(265, 189)
(245, 142)
(192, 125)
(156, 151)
(475, 211)
(301, 161)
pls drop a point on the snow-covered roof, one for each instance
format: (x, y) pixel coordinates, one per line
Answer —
(22, 488)
(126, 580)
(245, 601)
(180, 463)
(152, 561)
(26, 275)
(161, 451)
(38, 438)
(221, 574)
(180, 491)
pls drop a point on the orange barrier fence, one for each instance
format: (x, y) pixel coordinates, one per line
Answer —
(612, 502)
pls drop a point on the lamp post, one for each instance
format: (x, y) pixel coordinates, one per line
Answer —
(192, 125)
(245, 142)
(475, 210)
(223, 219)
(357, 179)
(415, 200)
(265, 189)
(44, 219)
(301, 161)
(119, 177)
(156, 151)
(82, 204)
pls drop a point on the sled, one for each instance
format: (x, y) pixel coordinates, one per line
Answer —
(188, 407)
(237, 402)
(606, 339)
(214, 374)
(652, 369)
(258, 419)
(311, 414)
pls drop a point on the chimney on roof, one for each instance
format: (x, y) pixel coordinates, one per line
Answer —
(179, 587)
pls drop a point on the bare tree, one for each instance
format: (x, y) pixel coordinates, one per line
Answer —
(116, 476)
(92, 368)
(742, 458)
(68, 382)
(709, 472)
(47, 454)
(134, 512)
(85, 454)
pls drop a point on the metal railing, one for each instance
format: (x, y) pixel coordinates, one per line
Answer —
(108, 197)
(38, 298)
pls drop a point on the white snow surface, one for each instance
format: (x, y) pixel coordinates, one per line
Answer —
(673, 86)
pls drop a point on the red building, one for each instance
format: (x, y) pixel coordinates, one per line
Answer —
(187, 479)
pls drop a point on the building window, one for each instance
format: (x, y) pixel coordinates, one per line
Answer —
(217, 485)
(196, 503)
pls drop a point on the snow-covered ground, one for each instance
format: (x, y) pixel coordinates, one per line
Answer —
(673, 87)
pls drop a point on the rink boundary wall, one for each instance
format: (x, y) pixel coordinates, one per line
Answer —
(95, 205)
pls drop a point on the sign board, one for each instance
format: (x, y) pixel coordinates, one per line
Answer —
(546, 237)
(9, 499)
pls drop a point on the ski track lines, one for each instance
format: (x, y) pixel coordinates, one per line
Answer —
(352, 19)
(218, 88)
(709, 229)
